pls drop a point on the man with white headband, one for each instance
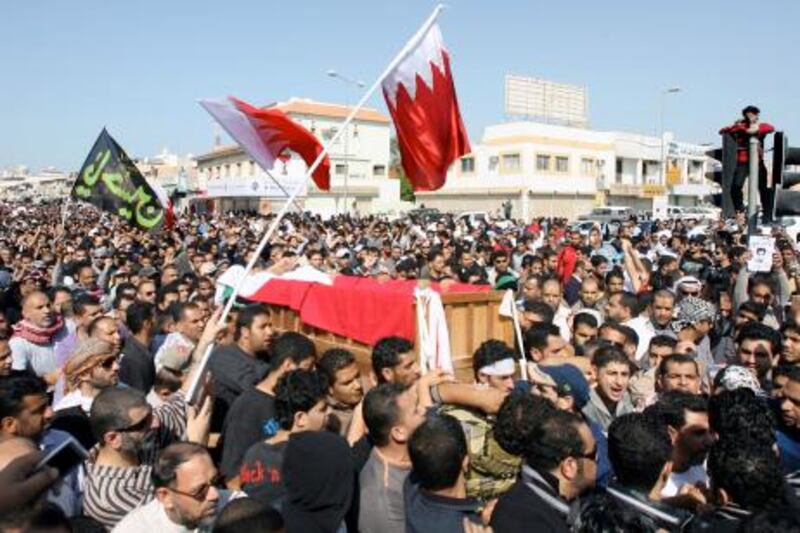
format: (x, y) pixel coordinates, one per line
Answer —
(492, 470)
(495, 368)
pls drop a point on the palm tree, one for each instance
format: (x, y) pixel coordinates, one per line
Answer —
(396, 171)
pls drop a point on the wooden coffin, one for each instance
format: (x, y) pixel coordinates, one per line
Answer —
(472, 318)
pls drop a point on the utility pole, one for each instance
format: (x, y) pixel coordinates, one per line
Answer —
(357, 85)
(752, 188)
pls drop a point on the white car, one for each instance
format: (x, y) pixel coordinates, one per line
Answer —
(607, 214)
(711, 214)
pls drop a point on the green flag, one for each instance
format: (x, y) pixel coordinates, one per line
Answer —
(110, 181)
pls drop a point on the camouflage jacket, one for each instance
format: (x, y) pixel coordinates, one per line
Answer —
(492, 470)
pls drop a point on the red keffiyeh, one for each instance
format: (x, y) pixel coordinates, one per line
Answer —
(36, 334)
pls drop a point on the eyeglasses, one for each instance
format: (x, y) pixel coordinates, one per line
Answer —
(108, 363)
(142, 425)
(202, 492)
(591, 454)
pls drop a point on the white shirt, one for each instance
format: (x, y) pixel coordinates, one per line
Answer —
(644, 330)
(676, 480)
(73, 399)
(152, 518)
(560, 320)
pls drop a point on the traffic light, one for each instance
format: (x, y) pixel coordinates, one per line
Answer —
(785, 181)
(723, 174)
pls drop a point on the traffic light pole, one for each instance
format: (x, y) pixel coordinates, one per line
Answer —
(752, 188)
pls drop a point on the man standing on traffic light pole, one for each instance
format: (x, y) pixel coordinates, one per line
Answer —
(742, 130)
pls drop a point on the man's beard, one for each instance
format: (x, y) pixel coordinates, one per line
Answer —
(191, 522)
(138, 447)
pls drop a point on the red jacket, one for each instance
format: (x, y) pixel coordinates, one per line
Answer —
(567, 260)
(739, 131)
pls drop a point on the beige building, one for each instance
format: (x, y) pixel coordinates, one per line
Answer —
(552, 170)
(543, 169)
(229, 179)
(17, 185)
(171, 171)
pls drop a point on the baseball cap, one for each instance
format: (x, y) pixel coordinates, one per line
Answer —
(175, 358)
(569, 381)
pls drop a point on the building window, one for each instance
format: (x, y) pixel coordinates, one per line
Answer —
(252, 168)
(379, 170)
(543, 162)
(562, 164)
(239, 169)
(341, 168)
(468, 165)
(589, 167)
(618, 173)
(510, 162)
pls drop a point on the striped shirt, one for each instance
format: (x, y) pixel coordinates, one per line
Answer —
(111, 492)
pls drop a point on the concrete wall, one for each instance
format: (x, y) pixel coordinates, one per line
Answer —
(546, 205)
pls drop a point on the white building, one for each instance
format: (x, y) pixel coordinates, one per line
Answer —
(170, 170)
(551, 170)
(19, 184)
(359, 166)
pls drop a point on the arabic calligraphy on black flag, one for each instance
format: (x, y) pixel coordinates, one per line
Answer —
(110, 181)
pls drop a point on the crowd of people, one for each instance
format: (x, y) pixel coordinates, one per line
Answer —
(662, 390)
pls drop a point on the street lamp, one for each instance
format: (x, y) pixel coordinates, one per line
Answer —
(663, 163)
(356, 84)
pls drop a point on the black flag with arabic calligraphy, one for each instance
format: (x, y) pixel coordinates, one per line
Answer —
(110, 181)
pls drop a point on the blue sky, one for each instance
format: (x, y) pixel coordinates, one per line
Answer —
(68, 68)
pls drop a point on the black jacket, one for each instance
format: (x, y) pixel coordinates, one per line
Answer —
(136, 368)
(533, 502)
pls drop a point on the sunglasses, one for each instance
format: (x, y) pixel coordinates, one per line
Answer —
(202, 492)
(140, 426)
(108, 363)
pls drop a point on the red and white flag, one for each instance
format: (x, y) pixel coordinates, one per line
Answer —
(165, 201)
(266, 133)
(421, 97)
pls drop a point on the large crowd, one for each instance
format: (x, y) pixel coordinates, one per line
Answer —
(662, 390)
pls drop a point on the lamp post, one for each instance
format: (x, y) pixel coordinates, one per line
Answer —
(663, 162)
(356, 84)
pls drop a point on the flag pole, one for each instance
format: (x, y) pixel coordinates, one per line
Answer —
(197, 380)
(284, 191)
(64, 212)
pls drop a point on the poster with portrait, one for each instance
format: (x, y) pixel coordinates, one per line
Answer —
(761, 249)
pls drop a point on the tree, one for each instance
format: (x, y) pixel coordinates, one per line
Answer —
(396, 170)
